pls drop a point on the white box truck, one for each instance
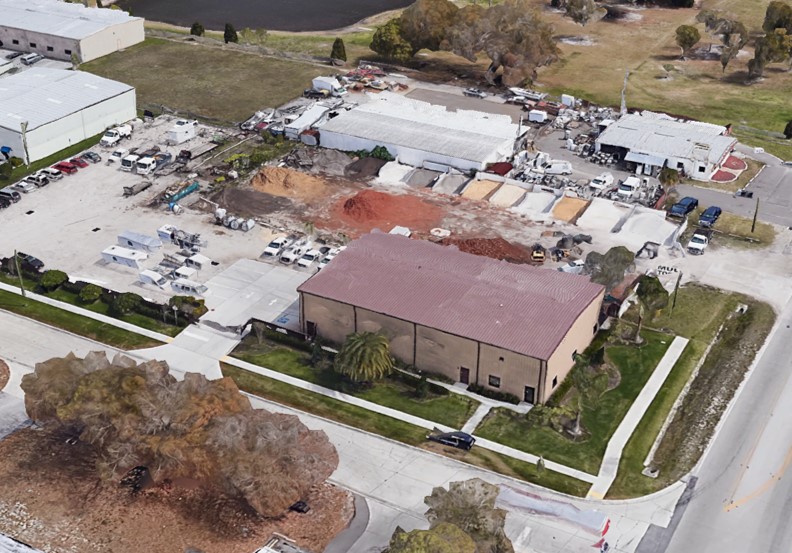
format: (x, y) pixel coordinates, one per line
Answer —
(115, 135)
(330, 84)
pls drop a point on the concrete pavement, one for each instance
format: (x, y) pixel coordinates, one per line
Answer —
(610, 462)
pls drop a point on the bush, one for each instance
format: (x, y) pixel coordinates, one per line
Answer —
(197, 29)
(422, 387)
(5, 171)
(498, 396)
(668, 176)
(52, 279)
(125, 303)
(90, 293)
(16, 162)
(339, 50)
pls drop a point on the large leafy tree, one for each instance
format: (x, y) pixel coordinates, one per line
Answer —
(425, 22)
(230, 34)
(389, 43)
(687, 36)
(774, 47)
(733, 34)
(470, 505)
(364, 357)
(778, 16)
(443, 538)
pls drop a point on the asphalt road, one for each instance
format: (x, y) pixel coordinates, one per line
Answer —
(742, 500)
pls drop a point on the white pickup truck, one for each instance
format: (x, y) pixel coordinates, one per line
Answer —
(115, 135)
(699, 241)
(601, 182)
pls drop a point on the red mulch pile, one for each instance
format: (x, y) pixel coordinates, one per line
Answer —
(369, 209)
(735, 163)
(723, 176)
(496, 248)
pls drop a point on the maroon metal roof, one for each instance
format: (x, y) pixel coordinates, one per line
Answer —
(520, 308)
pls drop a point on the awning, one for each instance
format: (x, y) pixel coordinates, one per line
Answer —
(645, 159)
(5, 149)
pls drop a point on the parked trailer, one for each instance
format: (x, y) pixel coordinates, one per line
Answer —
(185, 191)
(152, 277)
(124, 256)
(138, 241)
(136, 188)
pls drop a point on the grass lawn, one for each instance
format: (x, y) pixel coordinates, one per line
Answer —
(218, 84)
(77, 324)
(635, 364)
(375, 423)
(734, 231)
(451, 410)
(698, 314)
(753, 168)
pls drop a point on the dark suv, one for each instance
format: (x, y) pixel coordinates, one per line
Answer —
(29, 260)
(683, 207)
(459, 440)
(710, 216)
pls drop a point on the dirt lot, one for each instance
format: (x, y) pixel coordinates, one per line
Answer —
(224, 85)
(55, 503)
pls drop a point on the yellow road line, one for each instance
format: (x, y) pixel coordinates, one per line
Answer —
(766, 485)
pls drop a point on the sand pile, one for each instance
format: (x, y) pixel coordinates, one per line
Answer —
(369, 209)
(480, 189)
(288, 183)
(364, 168)
(496, 248)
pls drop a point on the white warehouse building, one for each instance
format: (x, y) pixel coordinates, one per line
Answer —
(654, 140)
(43, 111)
(422, 134)
(59, 30)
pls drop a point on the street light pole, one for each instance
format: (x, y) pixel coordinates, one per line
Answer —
(19, 274)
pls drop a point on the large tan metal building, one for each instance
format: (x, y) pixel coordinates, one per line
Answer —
(60, 30)
(509, 328)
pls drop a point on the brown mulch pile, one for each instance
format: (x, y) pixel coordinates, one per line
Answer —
(496, 248)
(370, 209)
(5, 374)
(290, 183)
(55, 502)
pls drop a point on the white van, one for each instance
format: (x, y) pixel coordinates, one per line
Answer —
(184, 286)
(30, 59)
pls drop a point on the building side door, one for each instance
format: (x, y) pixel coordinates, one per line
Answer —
(530, 395)
(464, 375)
(310, 329)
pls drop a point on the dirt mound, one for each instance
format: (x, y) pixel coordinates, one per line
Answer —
(5, 374)
(250, 203)
(496, 248)
(369, 209)
(364, 168)
(288, 183)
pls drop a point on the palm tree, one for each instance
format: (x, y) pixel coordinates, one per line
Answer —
(364, 357)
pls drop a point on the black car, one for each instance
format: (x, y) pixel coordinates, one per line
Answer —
(300, 507)
(459, 440)
(710, 216)
(93, 157)
(13, 55)
(683, 207)
(30, 261)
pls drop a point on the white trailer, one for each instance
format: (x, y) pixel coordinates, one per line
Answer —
(181, 132)
(537, 116)
(124, 256)
(329, 84)
(137, 241)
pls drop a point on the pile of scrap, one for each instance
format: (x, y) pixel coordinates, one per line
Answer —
(495, 248)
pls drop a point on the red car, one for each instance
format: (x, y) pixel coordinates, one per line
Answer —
(79, 162)
(65, 167)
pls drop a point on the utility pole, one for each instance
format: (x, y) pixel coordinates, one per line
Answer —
(19, 274)
(756, 213)
(676, 291)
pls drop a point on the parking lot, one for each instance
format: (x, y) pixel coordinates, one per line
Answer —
(18, 66)
(68, 222)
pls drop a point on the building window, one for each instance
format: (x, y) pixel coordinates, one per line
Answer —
(67, 52)
(574, 355)
(701, 169)
(595, 329)
(500, 359)
(14, 41)
(49, 48)
(555, 381)
(494, 381)
(32, 44)
(680, 166)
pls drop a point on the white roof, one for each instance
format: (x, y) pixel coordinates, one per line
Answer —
(308, 117)
(139, 238)
(126, 253)
(57, 18)
(660, 135)
(10, 545)
(389, 118)
(41, 95)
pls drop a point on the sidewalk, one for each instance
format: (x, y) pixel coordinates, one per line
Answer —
(87, 313)
(613, 453)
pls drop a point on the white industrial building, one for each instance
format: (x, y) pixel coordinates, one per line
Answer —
(60, 30)
(43, 111)
(654, 140)
(422, 134)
